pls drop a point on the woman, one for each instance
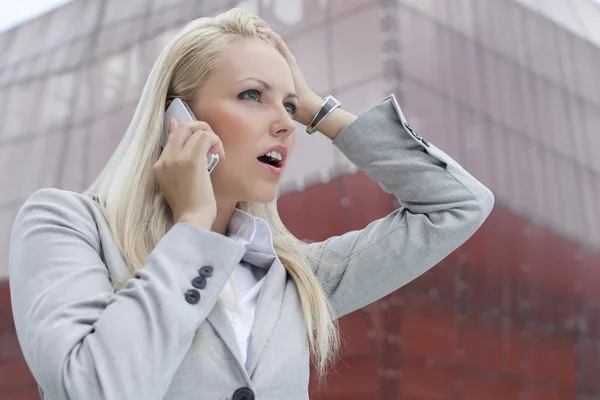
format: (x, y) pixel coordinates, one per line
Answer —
(164, 282)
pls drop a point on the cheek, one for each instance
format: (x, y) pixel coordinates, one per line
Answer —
(233, 126)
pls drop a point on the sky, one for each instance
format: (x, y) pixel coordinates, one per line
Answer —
(15, 12)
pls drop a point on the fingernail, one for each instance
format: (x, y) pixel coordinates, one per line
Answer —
(175, 122)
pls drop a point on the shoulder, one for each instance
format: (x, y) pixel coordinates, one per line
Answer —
(60, 201)
(54, 210)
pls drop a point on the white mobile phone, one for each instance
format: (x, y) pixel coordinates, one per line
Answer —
(180, 110)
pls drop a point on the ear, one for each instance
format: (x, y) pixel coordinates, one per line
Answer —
(167, 104)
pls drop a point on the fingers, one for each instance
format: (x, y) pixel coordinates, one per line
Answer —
(281, 46)
(199, 144)
(179, 133)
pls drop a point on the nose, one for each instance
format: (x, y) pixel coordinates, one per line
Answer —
(283, 124)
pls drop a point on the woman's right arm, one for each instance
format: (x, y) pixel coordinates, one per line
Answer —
(79, 339)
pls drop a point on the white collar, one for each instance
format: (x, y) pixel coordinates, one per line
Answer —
(251, 231)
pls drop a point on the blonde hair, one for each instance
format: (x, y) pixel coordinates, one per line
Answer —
(130, 198)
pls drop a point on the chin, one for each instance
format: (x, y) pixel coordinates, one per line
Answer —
(262, 198)
(262, 194)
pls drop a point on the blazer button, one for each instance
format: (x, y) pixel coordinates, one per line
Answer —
(199, 282)
(192, 296)
(243, 394)
(206, 271)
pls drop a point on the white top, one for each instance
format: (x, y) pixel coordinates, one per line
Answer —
(240, 293)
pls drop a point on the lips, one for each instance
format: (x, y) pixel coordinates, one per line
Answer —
(275, 156)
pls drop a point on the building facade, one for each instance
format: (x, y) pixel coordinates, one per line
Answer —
(509, 88)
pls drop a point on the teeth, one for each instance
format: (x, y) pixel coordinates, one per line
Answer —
(275, 155)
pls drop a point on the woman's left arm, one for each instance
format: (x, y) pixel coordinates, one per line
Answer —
(442, 204)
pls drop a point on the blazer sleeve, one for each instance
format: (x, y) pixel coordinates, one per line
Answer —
(81, 340)
(442, 205)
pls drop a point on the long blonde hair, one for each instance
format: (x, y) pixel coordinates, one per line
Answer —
(130, 198)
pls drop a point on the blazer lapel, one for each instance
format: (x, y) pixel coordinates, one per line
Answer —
(267, 312)
(220, 322)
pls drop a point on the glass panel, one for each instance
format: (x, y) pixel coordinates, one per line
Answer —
(589, 15)
(501, 19)
(311, 52)
(101, 143)
(462, 16)
(485, 32)
(476, 141)
(24, 69)
(6, 75)
(69, 55)
(586, 71)
(40, 66)
(565, 50)
(446, 44)
(73, 165)
(568, 184)
(421, 61)
(559, 120)
(502, 158)
(592, 122)
(544, 130)
(515, 96)
(520, 171)
(553, 206)
(117, 10)
(561, 11)
(82, 110)
(298, 16)
(580, 143)
(5, 43)
(433, 8)
(354, 55)
(347, 6)
(355, 99)
(542, 46)
(25, 41)
(424, 109)
(106, 80)
(7, 180)
(117, 38)
(521, 50)
(77, 19)
(494, 81)
(466, 72)
(24, 99)
(7, 219)
(57, 100)
(39, 170)
(535, 188)
(163, 18)
(18, 177)
(590, 196)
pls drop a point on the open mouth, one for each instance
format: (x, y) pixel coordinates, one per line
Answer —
(271, 159)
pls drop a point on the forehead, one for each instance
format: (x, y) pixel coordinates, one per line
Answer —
(254, 58)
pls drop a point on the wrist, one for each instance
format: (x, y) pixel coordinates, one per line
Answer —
(309, 108)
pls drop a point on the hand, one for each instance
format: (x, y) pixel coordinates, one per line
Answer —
(182, 172)
(309, 102)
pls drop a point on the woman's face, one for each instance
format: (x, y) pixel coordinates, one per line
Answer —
(249, 101)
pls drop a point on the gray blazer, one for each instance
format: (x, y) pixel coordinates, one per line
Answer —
(83, 342)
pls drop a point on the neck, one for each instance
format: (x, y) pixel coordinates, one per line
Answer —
(224, 212)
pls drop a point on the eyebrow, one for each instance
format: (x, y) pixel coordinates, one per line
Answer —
(269, 87)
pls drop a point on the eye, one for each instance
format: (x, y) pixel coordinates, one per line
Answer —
(251, 95)
(291, 108)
